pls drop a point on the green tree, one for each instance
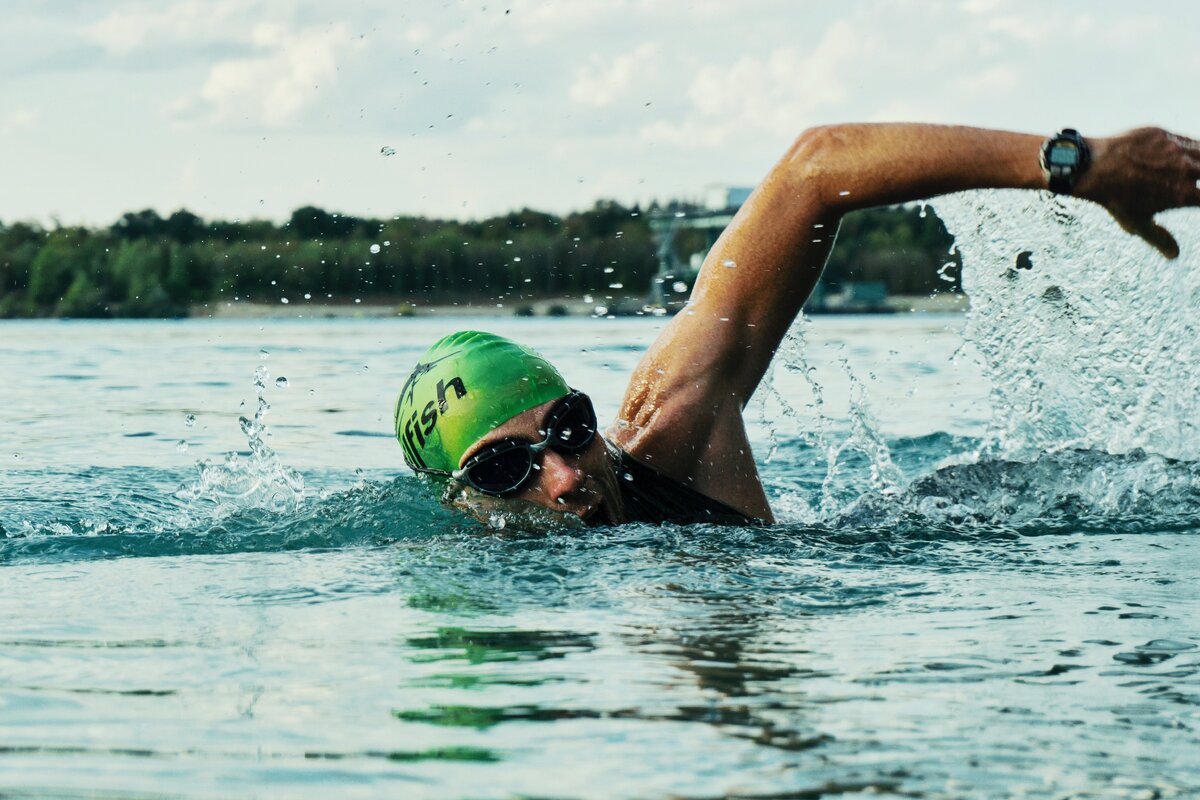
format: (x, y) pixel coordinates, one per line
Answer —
(82, 299)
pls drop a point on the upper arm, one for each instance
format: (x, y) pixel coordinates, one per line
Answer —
(751, 287)
(683, 408)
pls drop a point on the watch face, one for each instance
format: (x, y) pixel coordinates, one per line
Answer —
(1064, 154)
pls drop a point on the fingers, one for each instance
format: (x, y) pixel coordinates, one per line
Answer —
(1190, 145)
(1154, 234)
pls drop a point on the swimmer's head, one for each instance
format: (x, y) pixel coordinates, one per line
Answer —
(465, 385)
(473, 395)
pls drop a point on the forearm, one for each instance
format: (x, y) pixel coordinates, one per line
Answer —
(762, 269)
(848, 167)
(780, 239)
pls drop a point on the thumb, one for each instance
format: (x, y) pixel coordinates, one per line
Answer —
(1156, 235)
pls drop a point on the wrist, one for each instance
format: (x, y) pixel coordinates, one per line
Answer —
(1091, 182)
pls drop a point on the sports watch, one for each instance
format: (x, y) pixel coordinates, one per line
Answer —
(1065, 157)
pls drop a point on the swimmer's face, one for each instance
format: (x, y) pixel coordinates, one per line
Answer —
(581, 485)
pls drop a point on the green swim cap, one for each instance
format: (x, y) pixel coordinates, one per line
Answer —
(465, 385)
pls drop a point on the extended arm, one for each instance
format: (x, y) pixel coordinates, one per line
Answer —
(684, 402)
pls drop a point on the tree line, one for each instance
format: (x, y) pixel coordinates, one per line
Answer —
(145, 265)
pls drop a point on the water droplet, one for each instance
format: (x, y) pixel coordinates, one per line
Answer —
(627, 476)
(264, 355)
(587, 298)
(282, 382)
(283, 300)
(375, 248)
(307, 296)
(608, 270)
(601, 310)
(679, 287)
(387, 151)
(182, 446)
(189, 420)
(729, 262)
(616, 286)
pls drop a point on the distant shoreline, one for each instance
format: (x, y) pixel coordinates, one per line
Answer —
(946, 302)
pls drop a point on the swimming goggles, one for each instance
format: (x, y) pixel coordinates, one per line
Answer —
(505, 466)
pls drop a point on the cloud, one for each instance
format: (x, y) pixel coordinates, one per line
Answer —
(277, 84)
(247, 69)
(998, 79)
(187, 21)
(776, 93)
(603, 81)
(550, 103)
(19, 119)
(540, 21)
(982, 6)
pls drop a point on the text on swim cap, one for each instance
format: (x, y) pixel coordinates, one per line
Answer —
(419, 429)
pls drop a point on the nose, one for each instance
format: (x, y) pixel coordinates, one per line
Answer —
(561, 476)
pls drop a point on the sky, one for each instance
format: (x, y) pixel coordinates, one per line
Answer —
(238, 109)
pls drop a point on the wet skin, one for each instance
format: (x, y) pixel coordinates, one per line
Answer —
(682, 411)
(583, 485)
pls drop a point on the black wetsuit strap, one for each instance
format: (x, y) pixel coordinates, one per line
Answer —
(650, 496)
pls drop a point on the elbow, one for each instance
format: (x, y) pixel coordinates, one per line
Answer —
(813, 148)
(812, 167)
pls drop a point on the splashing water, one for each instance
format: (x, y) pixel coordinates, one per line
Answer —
(1087, 335)
(260, 481)
(810, 426)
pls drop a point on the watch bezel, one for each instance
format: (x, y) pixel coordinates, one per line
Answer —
(1061, 178)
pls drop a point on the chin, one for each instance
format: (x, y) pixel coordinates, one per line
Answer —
(609, 511)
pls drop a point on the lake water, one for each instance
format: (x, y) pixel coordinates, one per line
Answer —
(983, 583)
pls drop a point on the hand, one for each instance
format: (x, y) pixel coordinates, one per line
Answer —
(1138, 174)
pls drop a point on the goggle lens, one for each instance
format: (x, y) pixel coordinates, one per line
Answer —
(572, 425)
(505, 466)
(502, 471)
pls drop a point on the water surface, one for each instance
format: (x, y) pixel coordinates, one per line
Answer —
(983, 583)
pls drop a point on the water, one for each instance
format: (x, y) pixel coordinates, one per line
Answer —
(983, 583)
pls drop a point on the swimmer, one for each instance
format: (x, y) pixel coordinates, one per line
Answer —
(498, 425)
